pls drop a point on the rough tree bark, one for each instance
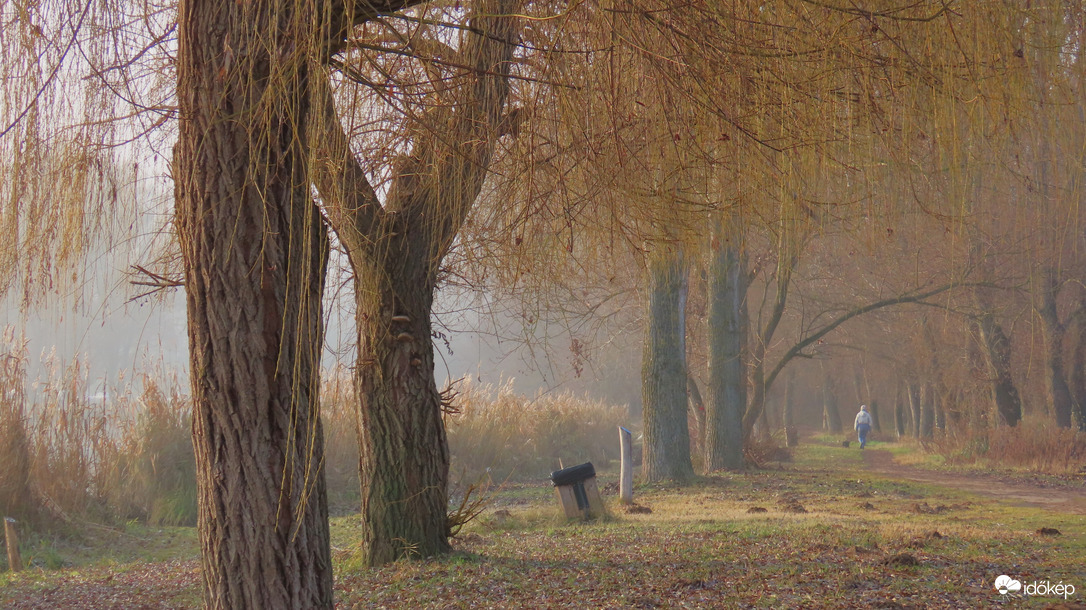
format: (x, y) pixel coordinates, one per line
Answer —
(254, 251)
(663, 373)
(395, 250)
(727, 375)
(997, 349)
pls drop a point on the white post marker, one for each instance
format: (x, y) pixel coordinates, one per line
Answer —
(625, 485)
(15, 562)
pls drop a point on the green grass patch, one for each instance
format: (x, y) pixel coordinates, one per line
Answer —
(820, 532)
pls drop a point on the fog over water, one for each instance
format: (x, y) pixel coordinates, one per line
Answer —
(118, 340)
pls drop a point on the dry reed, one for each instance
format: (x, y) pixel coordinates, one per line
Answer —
(500, 434)
(1035, 445)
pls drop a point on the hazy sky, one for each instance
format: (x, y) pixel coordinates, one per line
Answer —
(118, 340)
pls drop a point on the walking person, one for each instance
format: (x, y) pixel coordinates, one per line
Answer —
(862, 425)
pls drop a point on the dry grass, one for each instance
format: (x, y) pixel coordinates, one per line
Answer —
(699, 547)
(70, 458)
(502, 435)
(126, 455)
(1035, 445)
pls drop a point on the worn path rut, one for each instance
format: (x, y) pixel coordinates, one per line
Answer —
(1068, 498)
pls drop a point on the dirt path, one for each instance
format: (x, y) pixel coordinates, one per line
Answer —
(1062, 498)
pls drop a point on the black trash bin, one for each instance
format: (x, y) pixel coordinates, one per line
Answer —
(577, 490)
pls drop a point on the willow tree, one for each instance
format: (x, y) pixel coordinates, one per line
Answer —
(82, 93)
(1047, 165)
(825, 100)
(254, 251)
(395, 242)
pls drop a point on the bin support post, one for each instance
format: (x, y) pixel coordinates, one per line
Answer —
(625, 485)
(15, 562)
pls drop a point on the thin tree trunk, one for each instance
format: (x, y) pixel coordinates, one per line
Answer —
(831, 415)
(254, 251)
(663, 373)
(727, 304)
(1077, 366)
(863, 389)
(916, 397)
(762, 380)
(763, 424)
(900, 411)
(874, 409)
(791, 435)
(940, 412)
(697, 407)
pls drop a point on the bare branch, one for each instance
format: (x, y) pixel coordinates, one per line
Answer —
(350, 201)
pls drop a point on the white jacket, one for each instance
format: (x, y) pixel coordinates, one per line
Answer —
(863, 417)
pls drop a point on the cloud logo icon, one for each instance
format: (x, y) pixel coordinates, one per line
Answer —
(1005, 584)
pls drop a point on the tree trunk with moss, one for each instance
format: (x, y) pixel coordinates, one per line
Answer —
(727, 378)
(663, 373)
(404, 457)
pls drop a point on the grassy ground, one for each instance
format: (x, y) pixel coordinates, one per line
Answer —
(830, 534)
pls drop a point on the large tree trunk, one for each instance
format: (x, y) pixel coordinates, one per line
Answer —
(997, 349)
(1059, 393)
(727, 378)
(395, 248)
(874, 409)
(254, 251)
(927, 411)
(663, 373)
(404, 457)
(1077, 366)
